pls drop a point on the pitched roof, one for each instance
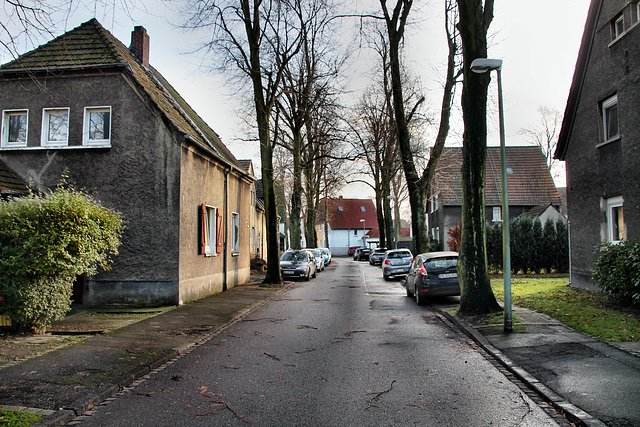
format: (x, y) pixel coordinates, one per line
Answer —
(529, 184)
(347, 213)
(91, 46)
(10, 183)
(578, 78)
(404, 232)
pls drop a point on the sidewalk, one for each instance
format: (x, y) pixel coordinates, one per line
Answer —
(593, 382)
(70, 380)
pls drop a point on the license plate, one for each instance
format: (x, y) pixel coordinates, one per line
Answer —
(287, 272)
(448, 275)
(401, 270)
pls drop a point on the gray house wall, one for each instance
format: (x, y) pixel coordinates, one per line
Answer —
(138, 176)
(597, 171)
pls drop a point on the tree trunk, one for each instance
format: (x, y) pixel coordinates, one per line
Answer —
(477, 296)
(296, 192)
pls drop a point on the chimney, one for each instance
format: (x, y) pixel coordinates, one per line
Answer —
(140, 44)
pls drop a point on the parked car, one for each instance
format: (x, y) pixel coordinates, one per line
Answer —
(361, 254)
(298, 263)
(319, 258)
(352, 249)
(376, 256)
(326, 253)
(396, 262)
(433, 274)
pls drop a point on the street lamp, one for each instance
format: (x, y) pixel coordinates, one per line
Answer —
(395, 221)
(482, 65)
(363, 231)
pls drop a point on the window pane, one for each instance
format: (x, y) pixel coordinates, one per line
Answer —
(58, 127)
(611, 121)
(618, 223)
(17, 128)
(99, 125)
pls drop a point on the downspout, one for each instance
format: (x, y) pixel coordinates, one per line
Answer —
(225, 258)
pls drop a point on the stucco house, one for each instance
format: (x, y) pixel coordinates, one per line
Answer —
(346, 223)
(530, 187)
(257, 222)
(600, 135)
(86, 105)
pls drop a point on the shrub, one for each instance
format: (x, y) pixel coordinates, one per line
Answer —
(45, 243)
(617, 270)
(455, 234)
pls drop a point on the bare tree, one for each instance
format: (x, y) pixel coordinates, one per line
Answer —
(256, 39)
(477, 296)
(544, 134)
(417, 185)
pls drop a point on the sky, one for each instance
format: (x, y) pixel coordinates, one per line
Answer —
(538, 42)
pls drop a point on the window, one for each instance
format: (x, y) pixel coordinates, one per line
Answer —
(610, 118)
(635, 13)
(97, 126)
(618, 27)
(235, 230)
(616, 230)
(362, 209)
(14, 128)
(433, 203)
(211, 231)
(497, 214)
(55, 126)
(340, 209)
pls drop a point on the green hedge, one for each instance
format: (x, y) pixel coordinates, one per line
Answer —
(534, 248)
(45, 243)
(616, 269)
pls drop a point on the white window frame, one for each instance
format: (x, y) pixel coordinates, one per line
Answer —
(235, 232)
(106, 142)
(46, 117)
(211, 231)
(616, 30)
(613, 204)
(6, 117)
(497, 214)
(635, 13)
(606, 106)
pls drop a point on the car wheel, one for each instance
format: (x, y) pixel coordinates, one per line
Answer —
(409, 293)
(420, 299)
(308, 276)
(385, 276)
(315, 274)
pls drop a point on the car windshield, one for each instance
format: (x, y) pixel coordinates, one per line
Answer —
(294, 256)
(316, 253)
(444, 262)
(380, 251)
(402, 254)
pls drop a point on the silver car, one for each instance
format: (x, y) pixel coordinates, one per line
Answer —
(298, 263)
(319, 258)
(396, 262)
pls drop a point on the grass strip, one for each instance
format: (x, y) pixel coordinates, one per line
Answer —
(582, 310)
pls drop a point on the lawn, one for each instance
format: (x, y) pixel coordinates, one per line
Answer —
(582, 310)
(17, 419)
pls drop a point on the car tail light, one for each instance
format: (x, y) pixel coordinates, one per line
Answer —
(386, 261)
(423, 271)
(411, 260)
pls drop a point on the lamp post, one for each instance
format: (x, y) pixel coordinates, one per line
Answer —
(482, 65)
(363, 231)
(395, 222)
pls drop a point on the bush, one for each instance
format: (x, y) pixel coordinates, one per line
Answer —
(455, 234)
(617, 270)
(45, 243)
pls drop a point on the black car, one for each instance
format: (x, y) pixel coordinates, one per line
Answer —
(433, 274)
(376, 257)
(298, 263)
(361, 254)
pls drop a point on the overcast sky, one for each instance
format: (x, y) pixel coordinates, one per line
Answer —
(537, 40)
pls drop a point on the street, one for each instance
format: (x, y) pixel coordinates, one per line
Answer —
(346, 348)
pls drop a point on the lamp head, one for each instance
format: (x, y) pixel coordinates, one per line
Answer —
(482, 65)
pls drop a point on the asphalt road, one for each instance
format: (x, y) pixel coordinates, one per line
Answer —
(345, 349)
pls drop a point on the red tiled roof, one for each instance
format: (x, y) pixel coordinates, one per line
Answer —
(529, 184)
(347, 213)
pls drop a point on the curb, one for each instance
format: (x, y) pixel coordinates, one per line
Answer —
(65, 415)
(571, 412)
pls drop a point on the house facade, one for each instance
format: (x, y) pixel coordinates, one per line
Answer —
(345, 223)
(86, 106)
(600, 136)
(530, 186)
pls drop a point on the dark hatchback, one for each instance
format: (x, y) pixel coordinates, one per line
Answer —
(361, 254)
(433, 274)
